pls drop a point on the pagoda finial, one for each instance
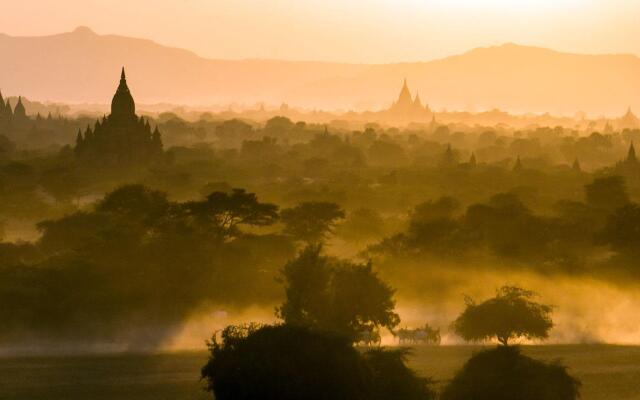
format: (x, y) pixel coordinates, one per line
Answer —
(123, 76)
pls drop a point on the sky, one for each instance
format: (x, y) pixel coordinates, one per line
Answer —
(375, 31)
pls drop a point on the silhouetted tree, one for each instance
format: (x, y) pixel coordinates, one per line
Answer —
(443, 208)
(306, 280)
(233, 128)
(135, 201)
(224, 212)
(508, 228)
(607, 194)
(387, 153)
(311, 221)
(139, 257)
(285, 363)
(509, 315)
(72, 231)
(335, 295)
(505, 374)
(278, 126)
(622, 230)
(393, 379)
(362, 224)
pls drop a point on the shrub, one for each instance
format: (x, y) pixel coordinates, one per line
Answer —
(504, 373)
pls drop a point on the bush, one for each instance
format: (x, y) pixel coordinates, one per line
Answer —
(505, 374)
(286, 362)
(393, 380)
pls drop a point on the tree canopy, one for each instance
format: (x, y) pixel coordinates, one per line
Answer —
(136, 264)
(311, 221)
(223, 212)
(607, 193)
(509, 315)
(287, 362)
(335, 295)
(506, 374)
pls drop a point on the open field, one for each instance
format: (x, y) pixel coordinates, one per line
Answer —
(607, 372)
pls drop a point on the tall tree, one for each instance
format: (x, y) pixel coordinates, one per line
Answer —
(335, 295)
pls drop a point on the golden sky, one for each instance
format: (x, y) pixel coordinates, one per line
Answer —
(341, 30)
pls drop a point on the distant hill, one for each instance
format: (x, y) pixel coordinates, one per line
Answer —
(82, 66)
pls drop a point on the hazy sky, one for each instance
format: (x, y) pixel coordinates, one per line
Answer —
(341, 30)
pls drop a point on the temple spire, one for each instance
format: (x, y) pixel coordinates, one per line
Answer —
(631, 156)
(19, 110)
(405, 101)
(417, 102)
(448, 158)
(518, 165)
(79, 138)
(122, 105)
(576, 165)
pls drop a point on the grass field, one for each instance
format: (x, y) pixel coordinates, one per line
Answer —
(607, 372)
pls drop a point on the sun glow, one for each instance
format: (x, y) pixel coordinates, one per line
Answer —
(525, 5)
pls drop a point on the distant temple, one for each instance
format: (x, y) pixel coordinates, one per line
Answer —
(10, 117)
(630, 166)
(631, 160)
(408, 109)
(122, 138)
(628, 121)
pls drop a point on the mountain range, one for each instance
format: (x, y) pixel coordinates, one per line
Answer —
(84, 67)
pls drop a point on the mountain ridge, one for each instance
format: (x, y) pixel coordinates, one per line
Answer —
(82, 66)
